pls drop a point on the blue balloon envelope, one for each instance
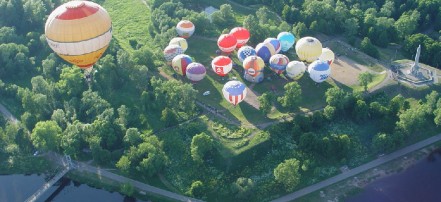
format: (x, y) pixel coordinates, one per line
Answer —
(287, 40)
(244, 52)
(275, 43)
(265, 50)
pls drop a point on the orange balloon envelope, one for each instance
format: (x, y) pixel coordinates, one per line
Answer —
(79, 32)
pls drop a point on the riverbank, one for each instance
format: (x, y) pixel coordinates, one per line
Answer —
(352, 186)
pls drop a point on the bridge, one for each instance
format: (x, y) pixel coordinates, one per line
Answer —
(67, 165)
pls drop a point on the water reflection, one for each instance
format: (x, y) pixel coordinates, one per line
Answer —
(19, 187)
(420, 182)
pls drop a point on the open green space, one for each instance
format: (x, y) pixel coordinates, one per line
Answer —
(130, 20)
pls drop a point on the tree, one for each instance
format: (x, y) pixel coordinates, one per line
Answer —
(329, 112)
(367, 47)
(132, 137)
(146, 158)
(265, 103)
(383, 142)
(197, 189)
(243, 187)
(127, 189)
(336, 97)
(46, 135)
(364, 79)
(407, 23)
(71, 83)
(201, 144)
(123, 117)
(168, 117)
(92, 104)
(72, 139)
(292, 96)
(300, 29)
(437, 113)
(413, 119)
(361, 111)
(287, 173)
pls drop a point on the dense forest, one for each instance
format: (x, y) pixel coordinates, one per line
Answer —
(116, 119)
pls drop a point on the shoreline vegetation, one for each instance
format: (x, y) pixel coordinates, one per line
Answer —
(355, 185)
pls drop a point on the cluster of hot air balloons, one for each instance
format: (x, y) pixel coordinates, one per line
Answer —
(174, 53)
(79, 32)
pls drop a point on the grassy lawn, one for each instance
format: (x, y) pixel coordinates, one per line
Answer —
(377, 79)
(130, 21)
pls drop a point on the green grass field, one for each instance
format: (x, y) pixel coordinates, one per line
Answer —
(130, 20)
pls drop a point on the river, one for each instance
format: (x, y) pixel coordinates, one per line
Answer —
(20, 187)
(420, 182)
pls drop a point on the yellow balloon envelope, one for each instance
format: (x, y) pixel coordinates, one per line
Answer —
(308, 49)
(79, 32)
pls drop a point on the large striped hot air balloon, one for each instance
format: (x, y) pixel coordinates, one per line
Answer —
(327, 55)
(295, 69)
(227, 43)
(319, 71)
(79, 32)
(180, 42)
(278, 63)
(185, 28)
(195, 71)
(222, 65)
(180, 63)
(244, 52)
(234, 92)
(308, 49)
(242, 35)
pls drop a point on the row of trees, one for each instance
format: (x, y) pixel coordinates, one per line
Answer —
(321, 141)
(382, 22)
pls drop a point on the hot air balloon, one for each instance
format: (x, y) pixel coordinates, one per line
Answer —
(319, 71)
(171, 51)
(180, 63)
(275, 43)
(295, 69)
(242, 35)
(79, 32)
(265, 50)
(185, 28)
(234, 92)
(287, 40)
(222, 65)
(278, 63)
(244, 52)
(254, 78)
(227, 43)
(253, 65)
(195, 71)
(308, 49)
(327, 55)
(180, 42)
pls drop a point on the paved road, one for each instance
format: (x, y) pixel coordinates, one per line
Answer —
(359, 169)
(121, 179)
(7, 114)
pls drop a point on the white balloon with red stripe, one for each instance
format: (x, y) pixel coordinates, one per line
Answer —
(234, 92)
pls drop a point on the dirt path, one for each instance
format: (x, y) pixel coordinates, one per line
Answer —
(7, 114)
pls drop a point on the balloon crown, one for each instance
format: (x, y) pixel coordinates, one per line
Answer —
(75, 4)
(310, 40)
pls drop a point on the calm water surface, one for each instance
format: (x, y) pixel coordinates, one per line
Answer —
(419, 183)
(20, 187)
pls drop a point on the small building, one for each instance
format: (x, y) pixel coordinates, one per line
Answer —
(209, 11)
